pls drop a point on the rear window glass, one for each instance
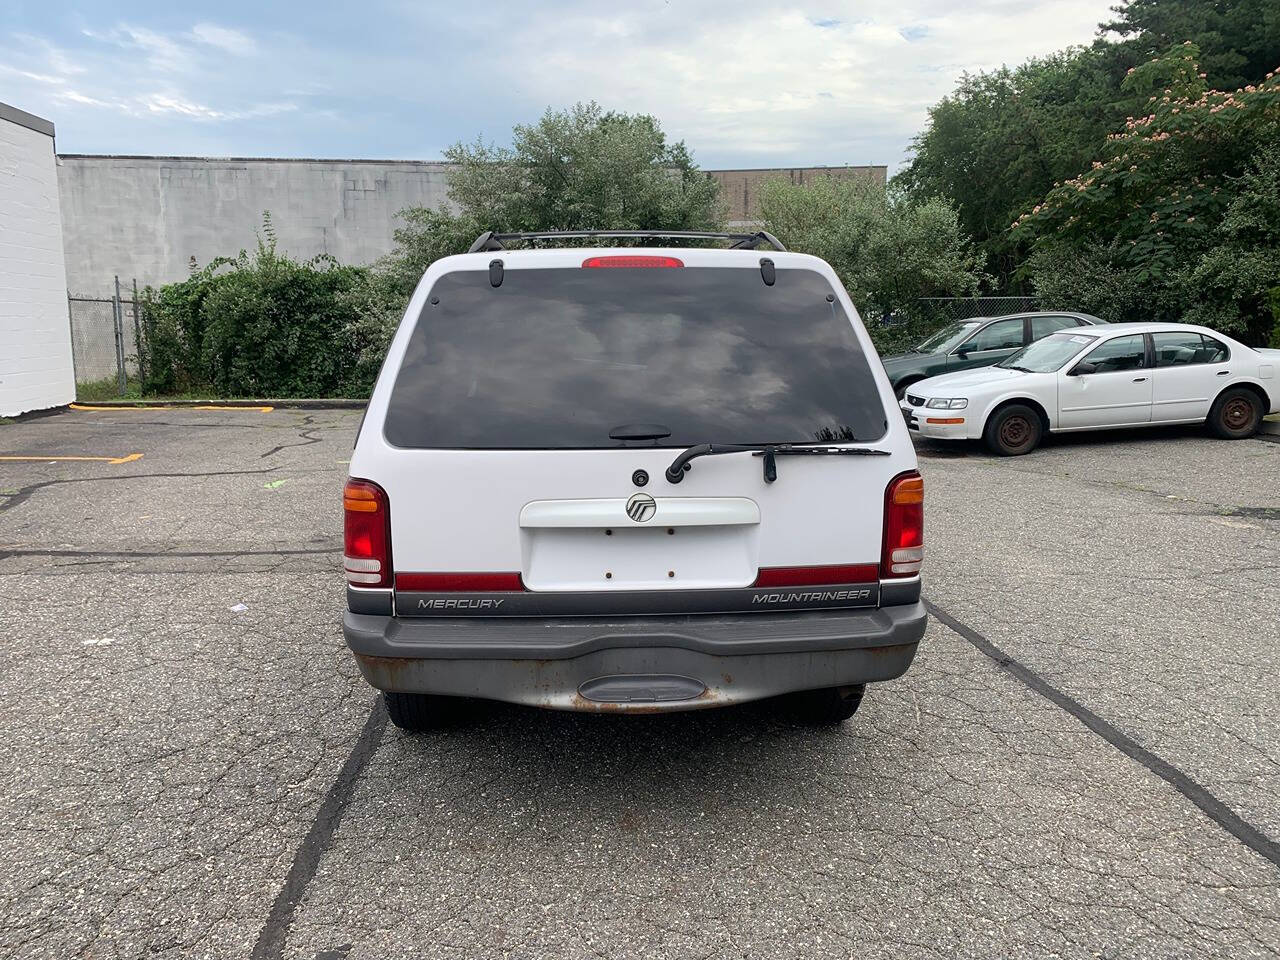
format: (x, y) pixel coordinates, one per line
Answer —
(559, 357)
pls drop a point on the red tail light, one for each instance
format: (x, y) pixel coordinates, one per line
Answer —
(632, 261)
(816, 576)
(459, 582)
(366, 534)
(903, 550)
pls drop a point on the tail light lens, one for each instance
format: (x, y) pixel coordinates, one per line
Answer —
(633, 262)
(459, 582)
(903, 549)
(816, 576)
(366, 534)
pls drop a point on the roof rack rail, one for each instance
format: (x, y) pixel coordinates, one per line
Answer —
(489, 240)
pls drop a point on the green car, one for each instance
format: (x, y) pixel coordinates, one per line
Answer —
(977, 342)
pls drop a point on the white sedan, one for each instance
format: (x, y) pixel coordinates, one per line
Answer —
(1102, 377)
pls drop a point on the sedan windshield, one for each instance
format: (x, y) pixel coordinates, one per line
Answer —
(947, 337)
(1049, 354)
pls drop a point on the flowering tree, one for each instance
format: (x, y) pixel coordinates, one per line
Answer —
(1167, 182)
(1155, 205)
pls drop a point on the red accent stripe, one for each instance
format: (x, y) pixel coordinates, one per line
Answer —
(459, 582)
(814, 576)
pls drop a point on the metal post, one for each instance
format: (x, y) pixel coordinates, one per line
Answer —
(71, 322)
(137, 327)
(117, 315)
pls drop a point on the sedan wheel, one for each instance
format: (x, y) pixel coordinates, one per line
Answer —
(1235, 414)
(1013, 431)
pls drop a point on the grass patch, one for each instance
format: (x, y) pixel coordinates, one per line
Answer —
(108, 388)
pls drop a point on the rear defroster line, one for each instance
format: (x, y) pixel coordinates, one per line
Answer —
(1211, 806)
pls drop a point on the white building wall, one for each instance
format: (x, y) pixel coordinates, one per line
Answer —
(35, 336)
(147, 218)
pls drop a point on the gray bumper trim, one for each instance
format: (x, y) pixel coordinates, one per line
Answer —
(635, 664)
(472, 638)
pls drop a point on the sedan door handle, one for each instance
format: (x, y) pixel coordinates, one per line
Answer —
(1139, 379)
(1224, 373)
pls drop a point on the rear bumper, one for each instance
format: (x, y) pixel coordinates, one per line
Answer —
(635, 664)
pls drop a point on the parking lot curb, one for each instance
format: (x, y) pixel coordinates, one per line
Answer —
(1271, 425)
(299, 403)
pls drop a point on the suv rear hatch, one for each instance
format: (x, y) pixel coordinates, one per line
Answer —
(508, 495)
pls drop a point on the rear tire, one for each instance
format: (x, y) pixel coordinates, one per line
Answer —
(415, 711)
(1013, 431)
(1236, 414)
(830, 705)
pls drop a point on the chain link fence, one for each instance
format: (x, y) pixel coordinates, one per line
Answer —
(899, 331)
(105, 335)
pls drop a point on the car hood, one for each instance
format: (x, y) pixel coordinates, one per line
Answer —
(903, 361)
(963, 380)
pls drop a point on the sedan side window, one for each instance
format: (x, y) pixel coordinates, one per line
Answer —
(1122, 353)
(1001, 335)
(1043, 326)
(1214, 351)
(1178, 348)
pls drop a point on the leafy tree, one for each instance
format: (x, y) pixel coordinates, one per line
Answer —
(1239, 40)
(575, 169)
(1157, 204)
(582, 169)
(1236, 285)
(888, 249)
(1004, 138)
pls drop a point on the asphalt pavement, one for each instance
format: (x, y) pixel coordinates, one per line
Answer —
(1084, 760)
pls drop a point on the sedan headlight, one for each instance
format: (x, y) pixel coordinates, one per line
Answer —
(940, 403)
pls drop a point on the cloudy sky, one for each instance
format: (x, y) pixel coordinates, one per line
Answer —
(743, 83)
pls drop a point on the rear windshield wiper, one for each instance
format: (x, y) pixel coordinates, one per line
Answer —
(769, 451)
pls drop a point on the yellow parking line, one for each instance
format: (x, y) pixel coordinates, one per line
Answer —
(85, 406)
(127, 459)
(256, 409)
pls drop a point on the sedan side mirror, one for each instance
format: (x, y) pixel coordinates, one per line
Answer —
(963, 350)
(1084, 367)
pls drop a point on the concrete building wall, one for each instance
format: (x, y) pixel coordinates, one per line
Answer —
(741, 188)
(146, 217)
(35, 337)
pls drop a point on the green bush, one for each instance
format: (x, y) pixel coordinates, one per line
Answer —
(889, 250)
(254, 326)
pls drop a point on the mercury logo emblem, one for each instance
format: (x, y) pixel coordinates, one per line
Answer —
(641, 507)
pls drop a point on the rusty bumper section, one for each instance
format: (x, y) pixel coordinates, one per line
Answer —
(637, 664)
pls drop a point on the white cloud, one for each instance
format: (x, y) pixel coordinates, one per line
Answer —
(846, 83)
(162, 53)
(227, 40)
(160, 103)
(744, 84)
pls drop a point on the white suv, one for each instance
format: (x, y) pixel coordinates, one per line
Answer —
(539, 511)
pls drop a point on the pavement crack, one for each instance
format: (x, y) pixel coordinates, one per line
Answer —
(305, 436)
(306, 859)
(1197, 793)
(24, 493)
